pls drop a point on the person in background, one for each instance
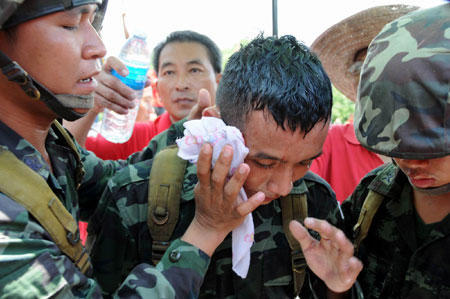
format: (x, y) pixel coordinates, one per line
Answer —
(184, 63)
(265, 89)
(342, 49)
(402, 112)
(49, 55)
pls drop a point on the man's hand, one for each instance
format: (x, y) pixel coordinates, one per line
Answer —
(112, 93)
(219, 209)
(204, 101)
(331, 258)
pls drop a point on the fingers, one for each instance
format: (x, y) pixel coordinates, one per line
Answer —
(111, 93)
(204, 101)
(204, 165)
(251, 204)
(331, 233)
(114, 63)
(301, 235)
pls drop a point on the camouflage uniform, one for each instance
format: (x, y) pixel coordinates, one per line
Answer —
(402, 257)
(32, 266)
(403, 112)
(120, 228)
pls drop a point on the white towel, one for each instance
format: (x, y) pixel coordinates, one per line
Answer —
(214, 131)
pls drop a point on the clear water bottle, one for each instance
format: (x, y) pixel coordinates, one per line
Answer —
(135, 54)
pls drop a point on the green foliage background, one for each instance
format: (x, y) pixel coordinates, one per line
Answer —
(343, 107)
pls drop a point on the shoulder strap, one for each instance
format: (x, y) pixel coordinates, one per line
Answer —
(295, 207)
(29, 189)
(368, 210)
(79, 170)
(164, 194)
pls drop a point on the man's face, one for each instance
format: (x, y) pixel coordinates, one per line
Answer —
(184, 69)
(426, 173)
(60, 50)
(277, 157)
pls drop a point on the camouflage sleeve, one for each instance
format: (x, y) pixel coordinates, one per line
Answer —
(31, 265)
(179, 274)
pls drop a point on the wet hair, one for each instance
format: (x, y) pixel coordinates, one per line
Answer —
(187, 36)
(279, 76)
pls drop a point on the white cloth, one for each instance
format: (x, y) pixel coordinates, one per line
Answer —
(214, 131)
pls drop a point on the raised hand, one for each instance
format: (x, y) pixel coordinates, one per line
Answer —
(219, 209)
(331, 258)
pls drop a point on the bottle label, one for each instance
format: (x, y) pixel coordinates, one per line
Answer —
(136, 78)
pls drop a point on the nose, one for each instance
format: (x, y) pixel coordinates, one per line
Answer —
(280, 183)
(182, 82)
(412, 164)
(94, 48)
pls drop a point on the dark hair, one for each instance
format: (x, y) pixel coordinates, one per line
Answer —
(279, 76)
(215, 56)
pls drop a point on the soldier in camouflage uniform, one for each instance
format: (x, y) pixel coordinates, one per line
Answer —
(57, 43)
(277, 93)
(403, 112)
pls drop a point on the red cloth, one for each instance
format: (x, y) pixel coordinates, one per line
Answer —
(344, 161)
(143, 132)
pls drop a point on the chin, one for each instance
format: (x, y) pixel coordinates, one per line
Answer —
(81, 110)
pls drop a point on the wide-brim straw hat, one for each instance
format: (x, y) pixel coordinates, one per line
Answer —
(340, 44)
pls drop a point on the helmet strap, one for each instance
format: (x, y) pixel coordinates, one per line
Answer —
(434, 190)
(61, 105)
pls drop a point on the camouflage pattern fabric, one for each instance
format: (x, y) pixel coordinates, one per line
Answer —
(122, 238)
(32, 266)
(403, 107)
(398, 263)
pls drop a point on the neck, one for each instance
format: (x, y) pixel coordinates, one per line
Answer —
(431, 208)
(28, 118)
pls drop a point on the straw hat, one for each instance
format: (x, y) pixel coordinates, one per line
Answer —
(342, 47)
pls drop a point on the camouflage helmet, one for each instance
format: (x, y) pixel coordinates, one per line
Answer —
(403, 107)
(15, 12)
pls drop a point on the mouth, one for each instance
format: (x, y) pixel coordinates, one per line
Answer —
(87, 85)
(184, 101)
(422, 182)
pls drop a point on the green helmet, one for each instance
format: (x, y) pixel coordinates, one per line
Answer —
(15, 12)
(403, 107)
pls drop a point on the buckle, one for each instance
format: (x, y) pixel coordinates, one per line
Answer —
(298, 261)
(158, 250)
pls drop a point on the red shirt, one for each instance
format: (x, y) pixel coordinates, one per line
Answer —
(344, 161)
(143, 132)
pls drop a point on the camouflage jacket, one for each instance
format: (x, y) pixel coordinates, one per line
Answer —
(396, 263)
(121, 231)
(32, 266)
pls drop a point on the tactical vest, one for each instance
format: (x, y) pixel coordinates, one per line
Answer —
(29, 189)
(165, 186)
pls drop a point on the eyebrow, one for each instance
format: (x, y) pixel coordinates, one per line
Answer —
(195, 61)
(265, 156)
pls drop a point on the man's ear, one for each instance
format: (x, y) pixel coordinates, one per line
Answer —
(212, 111)
(218, 78)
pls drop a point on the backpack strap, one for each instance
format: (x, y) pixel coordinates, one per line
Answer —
(164, 195)
(295, 207)
(30, 190)
(79, 170)
(368, 210)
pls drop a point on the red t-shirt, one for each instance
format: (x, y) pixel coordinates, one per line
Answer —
(344, 161)
(143, 132)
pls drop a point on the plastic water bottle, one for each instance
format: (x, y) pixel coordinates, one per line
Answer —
(135, 54)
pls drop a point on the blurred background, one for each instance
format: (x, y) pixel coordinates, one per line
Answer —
(232, 22)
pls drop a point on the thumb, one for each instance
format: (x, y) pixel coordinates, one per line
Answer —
(204, 101)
